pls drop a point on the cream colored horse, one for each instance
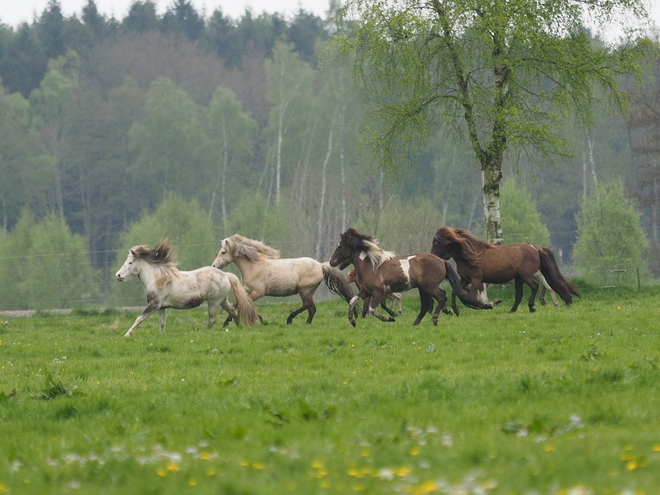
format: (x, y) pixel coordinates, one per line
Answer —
(167, 287)
(266, 274)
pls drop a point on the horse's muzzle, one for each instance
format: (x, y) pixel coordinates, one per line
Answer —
(119, 277)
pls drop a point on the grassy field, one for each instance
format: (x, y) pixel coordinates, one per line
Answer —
(562, 401)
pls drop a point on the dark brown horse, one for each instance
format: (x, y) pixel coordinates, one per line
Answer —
(381, 273)
(479, 262)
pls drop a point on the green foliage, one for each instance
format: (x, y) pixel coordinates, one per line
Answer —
(255, 218)
(611, 242)
(521, 221)
(44, 266)
(402, 227)
(559, 401)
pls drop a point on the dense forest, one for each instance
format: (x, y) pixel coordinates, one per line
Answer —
(254, 126)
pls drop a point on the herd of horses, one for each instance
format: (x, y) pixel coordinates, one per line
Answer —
(379, 275)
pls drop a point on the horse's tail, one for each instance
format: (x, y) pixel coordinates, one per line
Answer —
(242, 303)
(555, 279)
(467, 299)
(336, 281)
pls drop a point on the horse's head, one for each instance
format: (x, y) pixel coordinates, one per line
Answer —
(440, 244)
(130, 266)
(348, 244)
(224, 256)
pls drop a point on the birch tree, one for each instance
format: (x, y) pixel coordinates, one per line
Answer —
(231, 131)
(500, 73)
(289, 79)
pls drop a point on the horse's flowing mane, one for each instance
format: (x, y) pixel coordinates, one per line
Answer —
(162, 257)
(242, 247)
(369, 245)
(470, 248)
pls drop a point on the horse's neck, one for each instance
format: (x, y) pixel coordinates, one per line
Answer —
(362, 264)
(151, 274)
(246, 267)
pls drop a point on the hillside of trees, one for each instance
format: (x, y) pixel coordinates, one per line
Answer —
(252, 125)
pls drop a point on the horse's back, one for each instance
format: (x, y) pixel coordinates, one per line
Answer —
(285, 276)
(501, 264)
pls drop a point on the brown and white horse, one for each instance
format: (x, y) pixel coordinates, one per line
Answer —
(479, 262)
(167, 287)
(266, 274)
(381, 273)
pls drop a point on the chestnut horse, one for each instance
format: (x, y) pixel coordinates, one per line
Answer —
(479, 262)
(381, 273)
(167, 287)
(394, 297)
(266, 274)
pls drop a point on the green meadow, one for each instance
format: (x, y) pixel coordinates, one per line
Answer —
(562, 401)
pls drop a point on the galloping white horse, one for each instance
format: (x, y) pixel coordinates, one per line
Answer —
(167, 287)
(265, 274)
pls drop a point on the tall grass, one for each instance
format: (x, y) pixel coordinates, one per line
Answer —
(490, 402)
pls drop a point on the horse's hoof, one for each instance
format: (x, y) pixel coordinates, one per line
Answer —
(495, 303)
(390, 319)
(353, 322)
(532, 310)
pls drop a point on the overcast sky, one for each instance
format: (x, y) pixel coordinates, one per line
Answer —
(13, 12)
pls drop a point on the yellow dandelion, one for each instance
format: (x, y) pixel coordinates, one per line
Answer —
(549, 447)
(415, 451)
(211, 472)
(161, 472)
(205, 456)
(364, 452)
(258, 465)
(3, 488)
(244, 463)
(172, 467)
(628, 456)
(317, 464)
(192, 482)
(424, 488)
(324, 484)
(656, 447)
(356, 473)
(631, 465)
(321, 473)
(402, 471)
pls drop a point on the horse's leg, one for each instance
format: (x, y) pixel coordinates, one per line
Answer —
(425, 303)
(535, 287)
(519, 293)
(542, 295)
(376, 297)
(230, 311)
(308, 304)
(351, 306)
(397, 301)
(161, 319)
(554, 298)
(383, 304)
(440, 296)
(365, 308)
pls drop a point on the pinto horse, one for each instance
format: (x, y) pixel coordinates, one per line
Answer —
(265, 274)
(381, 273)
(167, 287)
(479, 262)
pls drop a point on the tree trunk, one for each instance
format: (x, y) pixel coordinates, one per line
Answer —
(491, 178)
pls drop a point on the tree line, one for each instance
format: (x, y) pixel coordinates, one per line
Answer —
(253, 126)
